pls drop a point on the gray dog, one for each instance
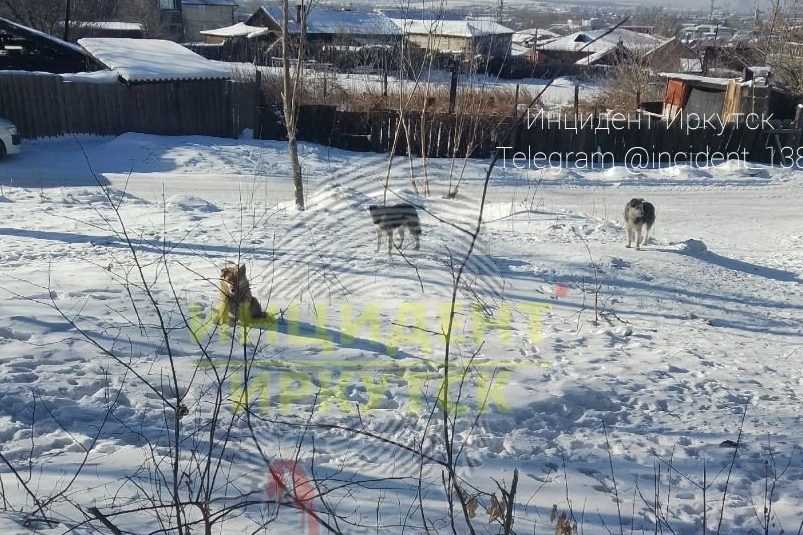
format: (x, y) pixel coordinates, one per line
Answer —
(396, 216)
(639, 214)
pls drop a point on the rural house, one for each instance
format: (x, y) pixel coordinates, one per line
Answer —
(198, 15)
(331, 27)
(466, 38)
(170, 21)
(238, 42)
(236, 31)
(611, 47)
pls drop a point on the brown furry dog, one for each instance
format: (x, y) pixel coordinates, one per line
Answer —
(237, 304)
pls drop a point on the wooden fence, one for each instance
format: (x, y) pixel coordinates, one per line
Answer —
(644, 139)
(43, 105)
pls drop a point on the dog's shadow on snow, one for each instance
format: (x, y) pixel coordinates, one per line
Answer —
(736, 265)
(337, 338)
(317, 336)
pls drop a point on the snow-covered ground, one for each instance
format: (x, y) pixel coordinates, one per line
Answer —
(615, 381)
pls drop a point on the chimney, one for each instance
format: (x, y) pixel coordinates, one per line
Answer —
(298, 13)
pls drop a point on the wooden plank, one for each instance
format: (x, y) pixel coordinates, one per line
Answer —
(19, 114)
(34, 101)
(49, 106)
(52, 105)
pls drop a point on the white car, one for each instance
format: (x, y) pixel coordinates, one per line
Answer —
(9, 138)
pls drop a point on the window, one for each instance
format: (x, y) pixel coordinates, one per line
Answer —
(167, 5)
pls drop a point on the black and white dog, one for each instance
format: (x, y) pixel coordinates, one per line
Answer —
(639, 214)
(388, 218)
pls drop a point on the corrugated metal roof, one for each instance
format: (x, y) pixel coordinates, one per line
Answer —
(151, 60)
(327, 21)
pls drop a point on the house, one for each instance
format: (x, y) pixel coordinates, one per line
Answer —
(240, 30)
(611, 47)
(238, 42)
(25, 49)
(199, 15)
(459, 37)
(170, 20)
(727, 98)
(331, 27)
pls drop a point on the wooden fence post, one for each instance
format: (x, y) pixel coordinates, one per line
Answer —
(453, 90)
(798, 125)
(229, 110)
(257, 126)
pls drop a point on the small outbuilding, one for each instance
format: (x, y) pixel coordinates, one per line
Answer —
(727, 98)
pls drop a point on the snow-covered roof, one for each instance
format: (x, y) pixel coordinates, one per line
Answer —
(600, 40)
(519, 50)
(452, 28)
(707, 28)
(686, 77)
(210, 3)
(111, 25)
(530, 34)
(329, 21)
(596, 56)
(237, 30)
(151, 60)
(97, 77)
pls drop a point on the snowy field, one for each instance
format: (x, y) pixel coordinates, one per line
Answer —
(617, 382)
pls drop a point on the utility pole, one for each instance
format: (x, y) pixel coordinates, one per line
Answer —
(67, 22)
